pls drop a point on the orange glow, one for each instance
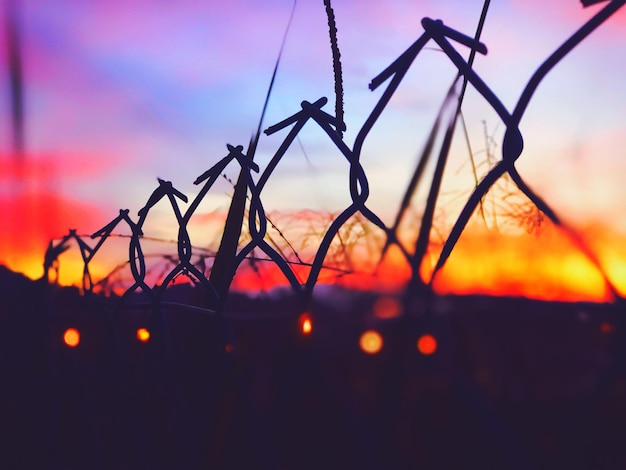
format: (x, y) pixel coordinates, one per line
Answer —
(545, 265)
(306, 325)
(427, 344)
(387, 307)
(71, 337)
(31, 220)
(371, 342)
(143, 335)
(267, 276)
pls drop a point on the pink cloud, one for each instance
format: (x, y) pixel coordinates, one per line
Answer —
(68, 165)
(568, 14)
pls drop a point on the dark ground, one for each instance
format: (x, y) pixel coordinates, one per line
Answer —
(514, 384)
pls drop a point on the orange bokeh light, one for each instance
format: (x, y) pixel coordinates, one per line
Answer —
(427, 344)
(143, 335)
(71, 337)
(306, 325)
(371, 342)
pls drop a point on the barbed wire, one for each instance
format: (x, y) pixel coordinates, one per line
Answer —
(261, 240)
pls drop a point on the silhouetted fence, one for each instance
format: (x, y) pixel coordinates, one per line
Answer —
(215, 279)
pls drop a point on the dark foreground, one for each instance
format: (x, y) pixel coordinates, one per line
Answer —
(513, 384)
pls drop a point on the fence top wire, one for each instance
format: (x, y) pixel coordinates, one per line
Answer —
(261, 234)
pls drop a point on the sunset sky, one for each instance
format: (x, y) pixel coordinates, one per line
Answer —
(119, 93)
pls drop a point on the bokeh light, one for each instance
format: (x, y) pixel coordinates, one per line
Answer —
(306, 325)
(427, 344)
(606, 327)
(387, 307)
(143, 335)
(371, 342)
(71, 337)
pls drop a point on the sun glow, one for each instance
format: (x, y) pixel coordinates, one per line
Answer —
(545, 265)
